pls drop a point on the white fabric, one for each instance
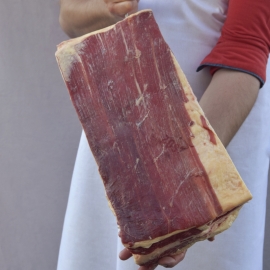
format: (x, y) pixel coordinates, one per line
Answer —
(89, 240)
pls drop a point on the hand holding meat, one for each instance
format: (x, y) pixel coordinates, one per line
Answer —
(168, 262)
(81, 17)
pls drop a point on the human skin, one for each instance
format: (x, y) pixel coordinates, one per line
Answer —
(84, 16)
(226, 102)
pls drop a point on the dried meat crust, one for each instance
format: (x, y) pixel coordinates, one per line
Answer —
(164, 169)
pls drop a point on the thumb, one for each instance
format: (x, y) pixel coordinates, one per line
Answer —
(122, 7)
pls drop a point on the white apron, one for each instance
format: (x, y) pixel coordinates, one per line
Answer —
(90, 241)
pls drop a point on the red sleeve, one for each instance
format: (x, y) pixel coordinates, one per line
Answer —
(244, 43)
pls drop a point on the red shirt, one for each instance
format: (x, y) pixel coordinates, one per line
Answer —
(244, 43)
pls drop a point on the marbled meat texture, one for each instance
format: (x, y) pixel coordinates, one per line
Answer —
(129, 98)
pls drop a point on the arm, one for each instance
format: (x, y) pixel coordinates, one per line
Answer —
(83, 16)
(244, 44)
(241, 54)
(228, 100)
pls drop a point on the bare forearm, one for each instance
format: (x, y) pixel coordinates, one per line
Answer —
(228, 100)
(84, 16)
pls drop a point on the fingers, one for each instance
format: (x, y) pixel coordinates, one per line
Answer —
(167, 262)
(125, 254)
(148, 267)
(172, 261)
(122, 7)
(211, 239)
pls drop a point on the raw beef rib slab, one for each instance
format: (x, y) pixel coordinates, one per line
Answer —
(168, 178)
